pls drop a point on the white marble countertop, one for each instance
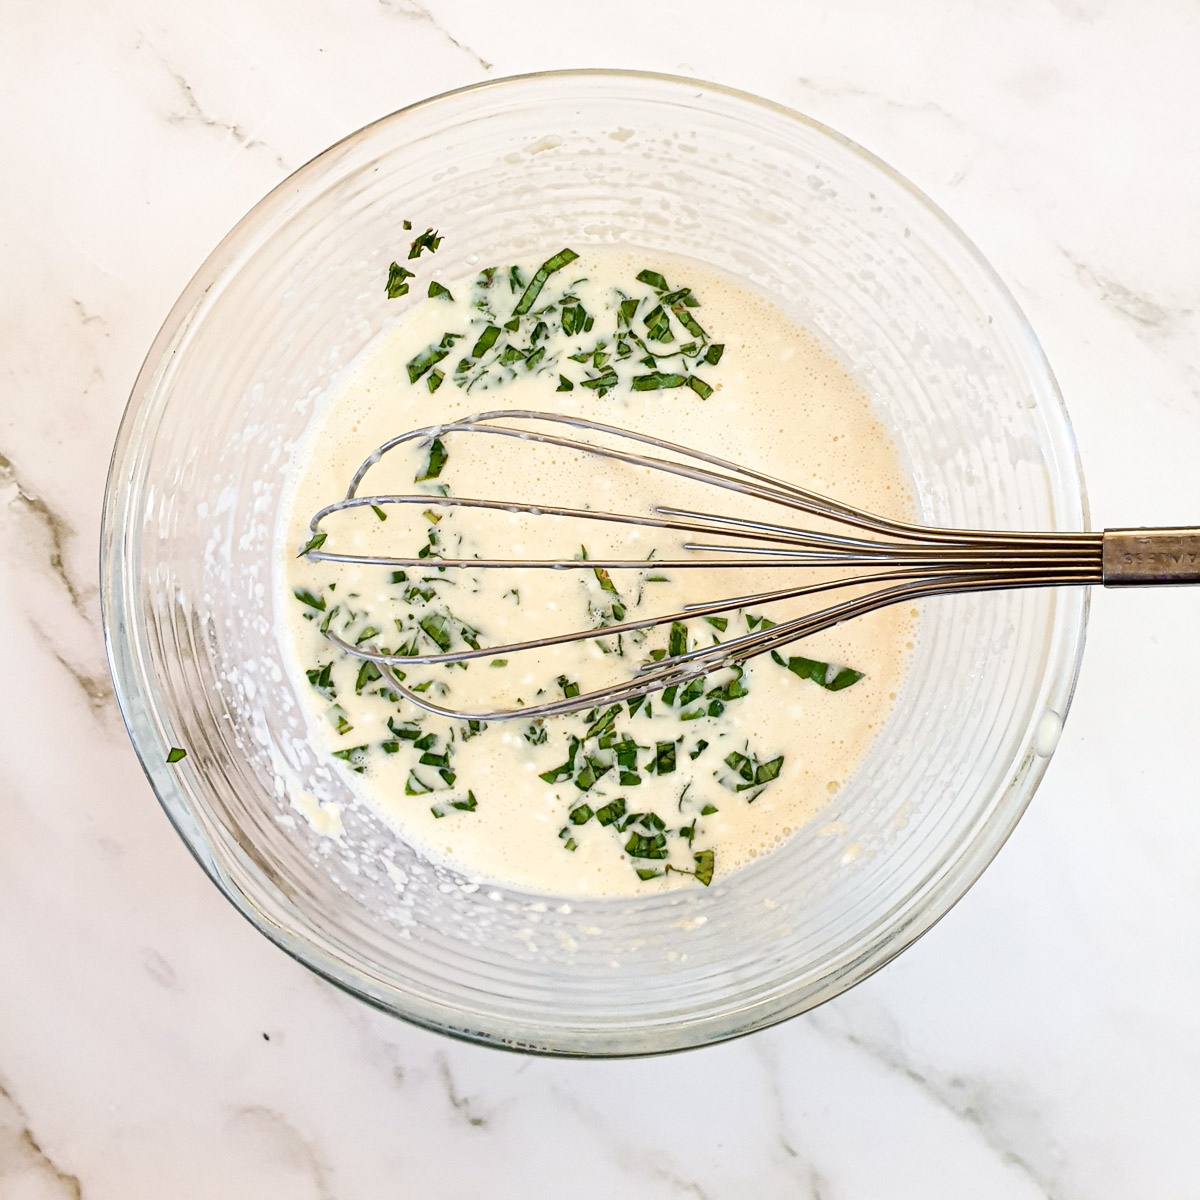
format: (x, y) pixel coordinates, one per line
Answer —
(1044, 1040)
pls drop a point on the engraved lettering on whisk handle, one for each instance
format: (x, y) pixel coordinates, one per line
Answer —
(1141, 556)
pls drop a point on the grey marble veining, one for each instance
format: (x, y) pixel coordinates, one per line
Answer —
(1042, 1041)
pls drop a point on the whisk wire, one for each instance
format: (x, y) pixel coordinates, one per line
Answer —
(918, 561)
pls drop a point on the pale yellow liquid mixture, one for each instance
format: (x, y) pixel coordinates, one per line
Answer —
(712, 789)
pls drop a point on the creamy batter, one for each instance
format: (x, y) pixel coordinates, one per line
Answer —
(676, 791)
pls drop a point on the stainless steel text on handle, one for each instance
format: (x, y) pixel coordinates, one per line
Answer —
(1143, 556)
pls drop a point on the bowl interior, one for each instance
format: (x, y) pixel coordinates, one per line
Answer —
(510, 170)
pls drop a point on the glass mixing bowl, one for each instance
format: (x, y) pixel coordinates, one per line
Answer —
(513, 169)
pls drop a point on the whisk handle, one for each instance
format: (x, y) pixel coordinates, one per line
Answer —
(1144, 556)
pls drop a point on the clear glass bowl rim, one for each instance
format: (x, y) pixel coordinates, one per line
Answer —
(130, 685)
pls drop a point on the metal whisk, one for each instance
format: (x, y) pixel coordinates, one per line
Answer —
(897, 562)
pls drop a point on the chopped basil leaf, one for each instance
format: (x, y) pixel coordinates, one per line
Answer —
(664, 758)
(467, 805)
(818, 672)
(611, 812)
(681, 295)
(741, 764)
(552, 264)
(415, 785)
(437, 627)
(314, 543)
(367, 673)
(434, 462)
(306, 597)
(336, 716)
(429, 357)
(750, 772)
(593, 770)
(656, 380)
(601, 383)
(605, 579)
(641, 845)
(769, 770)
(397, 284)
(428, 240)
(678, 640)
(658, 325)
(175, 754)
(574, 319)
(733, 690)
(321, 679)
(355, 758)
(654, 279)
(602, 724)
(567, 769)
(686, 319)
(487, 339)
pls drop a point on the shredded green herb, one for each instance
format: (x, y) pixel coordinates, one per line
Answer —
(429, 240)
(611, 812)
(429, 357)
(552, 264)
(487, 339)
(819, 672)
(434, 461)
(307, 597)
(397, 281)
(656, 380)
